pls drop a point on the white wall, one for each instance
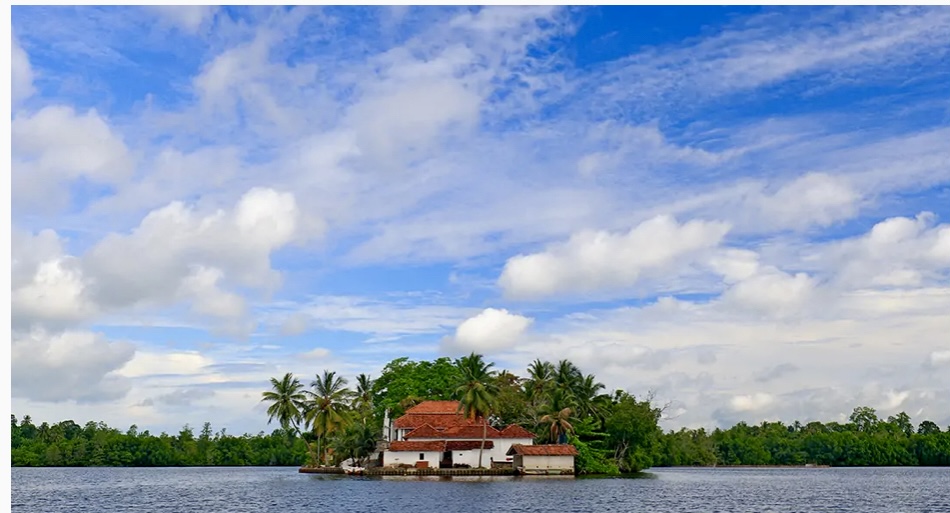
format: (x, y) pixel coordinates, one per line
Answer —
(548, 462)
(496, 453)
(410, 458)
(499, 452)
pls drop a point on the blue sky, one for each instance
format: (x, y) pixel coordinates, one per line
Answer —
(742, 209)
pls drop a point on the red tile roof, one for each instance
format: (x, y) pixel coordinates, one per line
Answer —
(426, 446)
(467, 445)
(424, 431)
(470, 432)
(436, 420)
(543, 450)
(434, 407)
(516, 431)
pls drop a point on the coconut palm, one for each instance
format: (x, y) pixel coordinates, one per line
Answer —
(567, 376)
(558, 416)
(540, 379)
(586, 392)
(476, 392)
(328, 400)
(363, 398)
(287, 402)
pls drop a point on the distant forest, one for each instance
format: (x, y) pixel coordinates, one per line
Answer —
(614, 433)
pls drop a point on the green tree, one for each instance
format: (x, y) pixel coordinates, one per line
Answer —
(476, 392)
(326, 412)
(287, 401)
(557, 416)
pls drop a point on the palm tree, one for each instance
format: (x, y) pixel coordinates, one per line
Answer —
(539, 381)
(476, 392)
(287, 401)
(363, 399)
(586, 393)
(558, 417)
(328, 401)
(567, 376)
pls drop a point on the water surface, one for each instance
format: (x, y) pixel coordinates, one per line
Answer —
(283, 490)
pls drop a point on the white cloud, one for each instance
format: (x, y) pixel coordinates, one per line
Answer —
(57, 145)
(21, 80)
(490, 330)
(70, 366)
(773, 292)
(197, 253)
(295, 324)
(590, 261)
(751, 402)
(939, 358)
(189, 17)
(815, 199)
(898, 251)
(147, 363)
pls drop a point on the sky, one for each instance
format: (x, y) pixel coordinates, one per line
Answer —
(744, 211)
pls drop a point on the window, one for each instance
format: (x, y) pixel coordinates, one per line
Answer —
(422, 456)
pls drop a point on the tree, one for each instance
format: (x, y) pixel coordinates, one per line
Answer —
(586, 392)
(326, 410)
(567, 376)
(901, 422)
(476, 392)
(864, 418)
(363, 399)
(404, 383)
(287, 400)
(558, 416)
(928, 427)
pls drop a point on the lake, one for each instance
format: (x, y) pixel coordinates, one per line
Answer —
(283, 490)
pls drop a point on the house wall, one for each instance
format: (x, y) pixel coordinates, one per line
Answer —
(500, 451)
(496, 453)
(548, 462)
(410, 458)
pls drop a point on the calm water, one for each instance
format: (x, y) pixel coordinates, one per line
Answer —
(283, 490)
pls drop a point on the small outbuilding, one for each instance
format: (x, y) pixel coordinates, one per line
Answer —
(543, 459)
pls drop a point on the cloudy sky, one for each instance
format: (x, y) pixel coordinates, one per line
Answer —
(744, 210)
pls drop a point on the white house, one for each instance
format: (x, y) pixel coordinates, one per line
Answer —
(437, 426)
(543, 459)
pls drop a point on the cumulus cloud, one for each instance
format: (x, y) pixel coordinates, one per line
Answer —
(896, 252)
(48, 286)
(179, 255)
(590, 261)
(69, 366)
(490, 330)
(56, 145)
(815, 199)
(198, 252)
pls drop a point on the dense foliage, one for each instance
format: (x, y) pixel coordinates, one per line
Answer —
(96, 444)
(613, 433)
(863, 441)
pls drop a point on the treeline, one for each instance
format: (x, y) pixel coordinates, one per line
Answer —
(327, 422)
(865, 440)
(67, 444)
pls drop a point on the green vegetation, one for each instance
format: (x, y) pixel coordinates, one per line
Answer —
(613, 433)
(865, 440)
